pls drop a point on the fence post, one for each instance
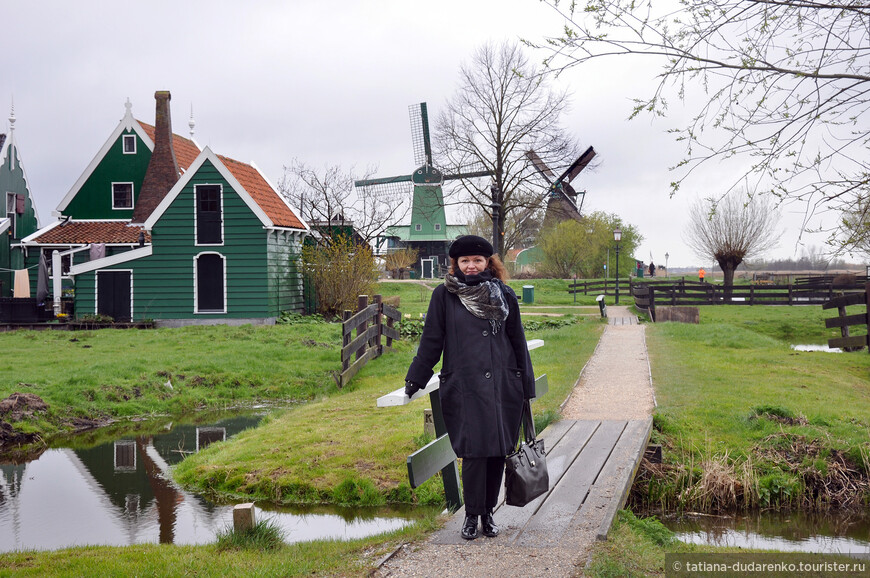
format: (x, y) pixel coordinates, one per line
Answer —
(752, 294)
(379, 321)
(867, 312)
(652, 304)
(389, 324)
(345, 337)
(789, 293)
(362, 301)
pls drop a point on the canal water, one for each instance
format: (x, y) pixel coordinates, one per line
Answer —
(118, 493)
(837, 532)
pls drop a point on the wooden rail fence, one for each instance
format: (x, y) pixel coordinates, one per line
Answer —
(685, 292)
(368, 322)
(843, 321)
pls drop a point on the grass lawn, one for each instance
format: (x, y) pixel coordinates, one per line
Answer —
(746, 421)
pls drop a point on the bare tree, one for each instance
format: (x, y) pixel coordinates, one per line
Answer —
(328, 197)
(502, 108)
(732, 229)
(786, 84)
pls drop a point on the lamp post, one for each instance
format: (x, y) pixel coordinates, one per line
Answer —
(617, 236)
(667, 271)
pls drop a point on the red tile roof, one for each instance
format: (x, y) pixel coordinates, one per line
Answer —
(85, 232)
(263, 194)
(185, 150)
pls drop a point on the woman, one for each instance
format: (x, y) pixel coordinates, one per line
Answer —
(486, 374)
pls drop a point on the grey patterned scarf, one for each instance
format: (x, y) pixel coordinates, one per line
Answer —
(482, 296)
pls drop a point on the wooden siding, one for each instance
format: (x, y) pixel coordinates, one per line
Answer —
(94, 199)
(261, 279)
(284, 272)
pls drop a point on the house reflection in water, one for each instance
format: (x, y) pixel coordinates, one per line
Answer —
(118, 493)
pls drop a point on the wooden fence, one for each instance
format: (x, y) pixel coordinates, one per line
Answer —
(843, 321)
(368, 322)
(686, 292)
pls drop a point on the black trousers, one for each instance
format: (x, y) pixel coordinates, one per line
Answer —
(481, 483)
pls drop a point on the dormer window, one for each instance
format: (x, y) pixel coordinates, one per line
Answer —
(418, 227)
(437, 226)
(129, 144)
(122, 195)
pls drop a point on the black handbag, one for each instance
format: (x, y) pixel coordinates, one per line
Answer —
(526, 476)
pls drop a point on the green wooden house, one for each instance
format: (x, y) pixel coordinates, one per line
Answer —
(20, 218)
(187, 237)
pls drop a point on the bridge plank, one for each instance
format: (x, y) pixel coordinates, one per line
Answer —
(611, 489)
(554, 516)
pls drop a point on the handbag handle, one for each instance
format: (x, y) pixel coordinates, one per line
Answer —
(527, 423)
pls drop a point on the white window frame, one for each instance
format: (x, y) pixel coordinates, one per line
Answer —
(124, 141)
(12, 214)
(437, 226)
(196, 242)
(196, 310)
(132, 196)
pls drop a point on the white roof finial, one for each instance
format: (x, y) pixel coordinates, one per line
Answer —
(12, 117)
(128, 106)
(191, 123)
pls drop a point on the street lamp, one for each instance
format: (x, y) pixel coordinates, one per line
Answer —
(667, 271)
(617, 236)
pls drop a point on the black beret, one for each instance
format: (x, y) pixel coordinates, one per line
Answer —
(468, 245)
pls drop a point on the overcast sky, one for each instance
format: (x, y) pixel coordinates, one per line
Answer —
(324, 82)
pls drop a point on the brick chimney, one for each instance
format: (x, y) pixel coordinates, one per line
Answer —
(162, 171)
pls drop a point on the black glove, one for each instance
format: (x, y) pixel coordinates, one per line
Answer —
(411, 388)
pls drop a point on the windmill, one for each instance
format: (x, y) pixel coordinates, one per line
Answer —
(428, 231)
(562, 198)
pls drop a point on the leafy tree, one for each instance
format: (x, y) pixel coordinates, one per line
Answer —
(340, 271)
(502, 108)
(580, 248)
(786, 83)
(731, 230)
(327, 197)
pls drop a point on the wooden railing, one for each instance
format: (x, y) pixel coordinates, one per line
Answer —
(437, 455)
(368, 322)
(843, 321)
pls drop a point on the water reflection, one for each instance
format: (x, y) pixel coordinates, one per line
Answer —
(837, 532)
(119, 493)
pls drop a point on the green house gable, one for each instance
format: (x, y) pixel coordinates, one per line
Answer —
(19, 218)
(123, 164)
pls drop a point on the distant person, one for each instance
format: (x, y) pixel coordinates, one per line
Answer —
(486, 374)
(652, 269)
(701, 274)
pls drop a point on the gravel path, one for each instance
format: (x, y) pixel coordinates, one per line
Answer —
(615, 384)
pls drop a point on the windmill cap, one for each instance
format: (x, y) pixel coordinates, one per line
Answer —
(468, 245)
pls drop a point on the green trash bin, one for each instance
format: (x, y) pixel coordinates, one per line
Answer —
(528, 293)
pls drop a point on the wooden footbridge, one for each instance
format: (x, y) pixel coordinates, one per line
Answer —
(591, 465)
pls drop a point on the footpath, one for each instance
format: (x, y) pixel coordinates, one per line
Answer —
(614, 385)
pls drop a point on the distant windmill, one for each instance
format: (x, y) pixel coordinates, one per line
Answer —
(428, 231)
(562, 198)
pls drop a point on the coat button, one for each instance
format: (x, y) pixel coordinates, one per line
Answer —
(485, 332)
(519, 374)
(487, 375)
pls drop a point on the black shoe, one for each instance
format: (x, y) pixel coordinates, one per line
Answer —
(488, 525)
(469, 529)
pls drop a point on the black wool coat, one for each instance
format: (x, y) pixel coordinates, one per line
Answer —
(485, 376)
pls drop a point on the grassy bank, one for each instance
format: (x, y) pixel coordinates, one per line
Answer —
(745, 421)
(322, 558)
(636, 547)
(90, 378)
